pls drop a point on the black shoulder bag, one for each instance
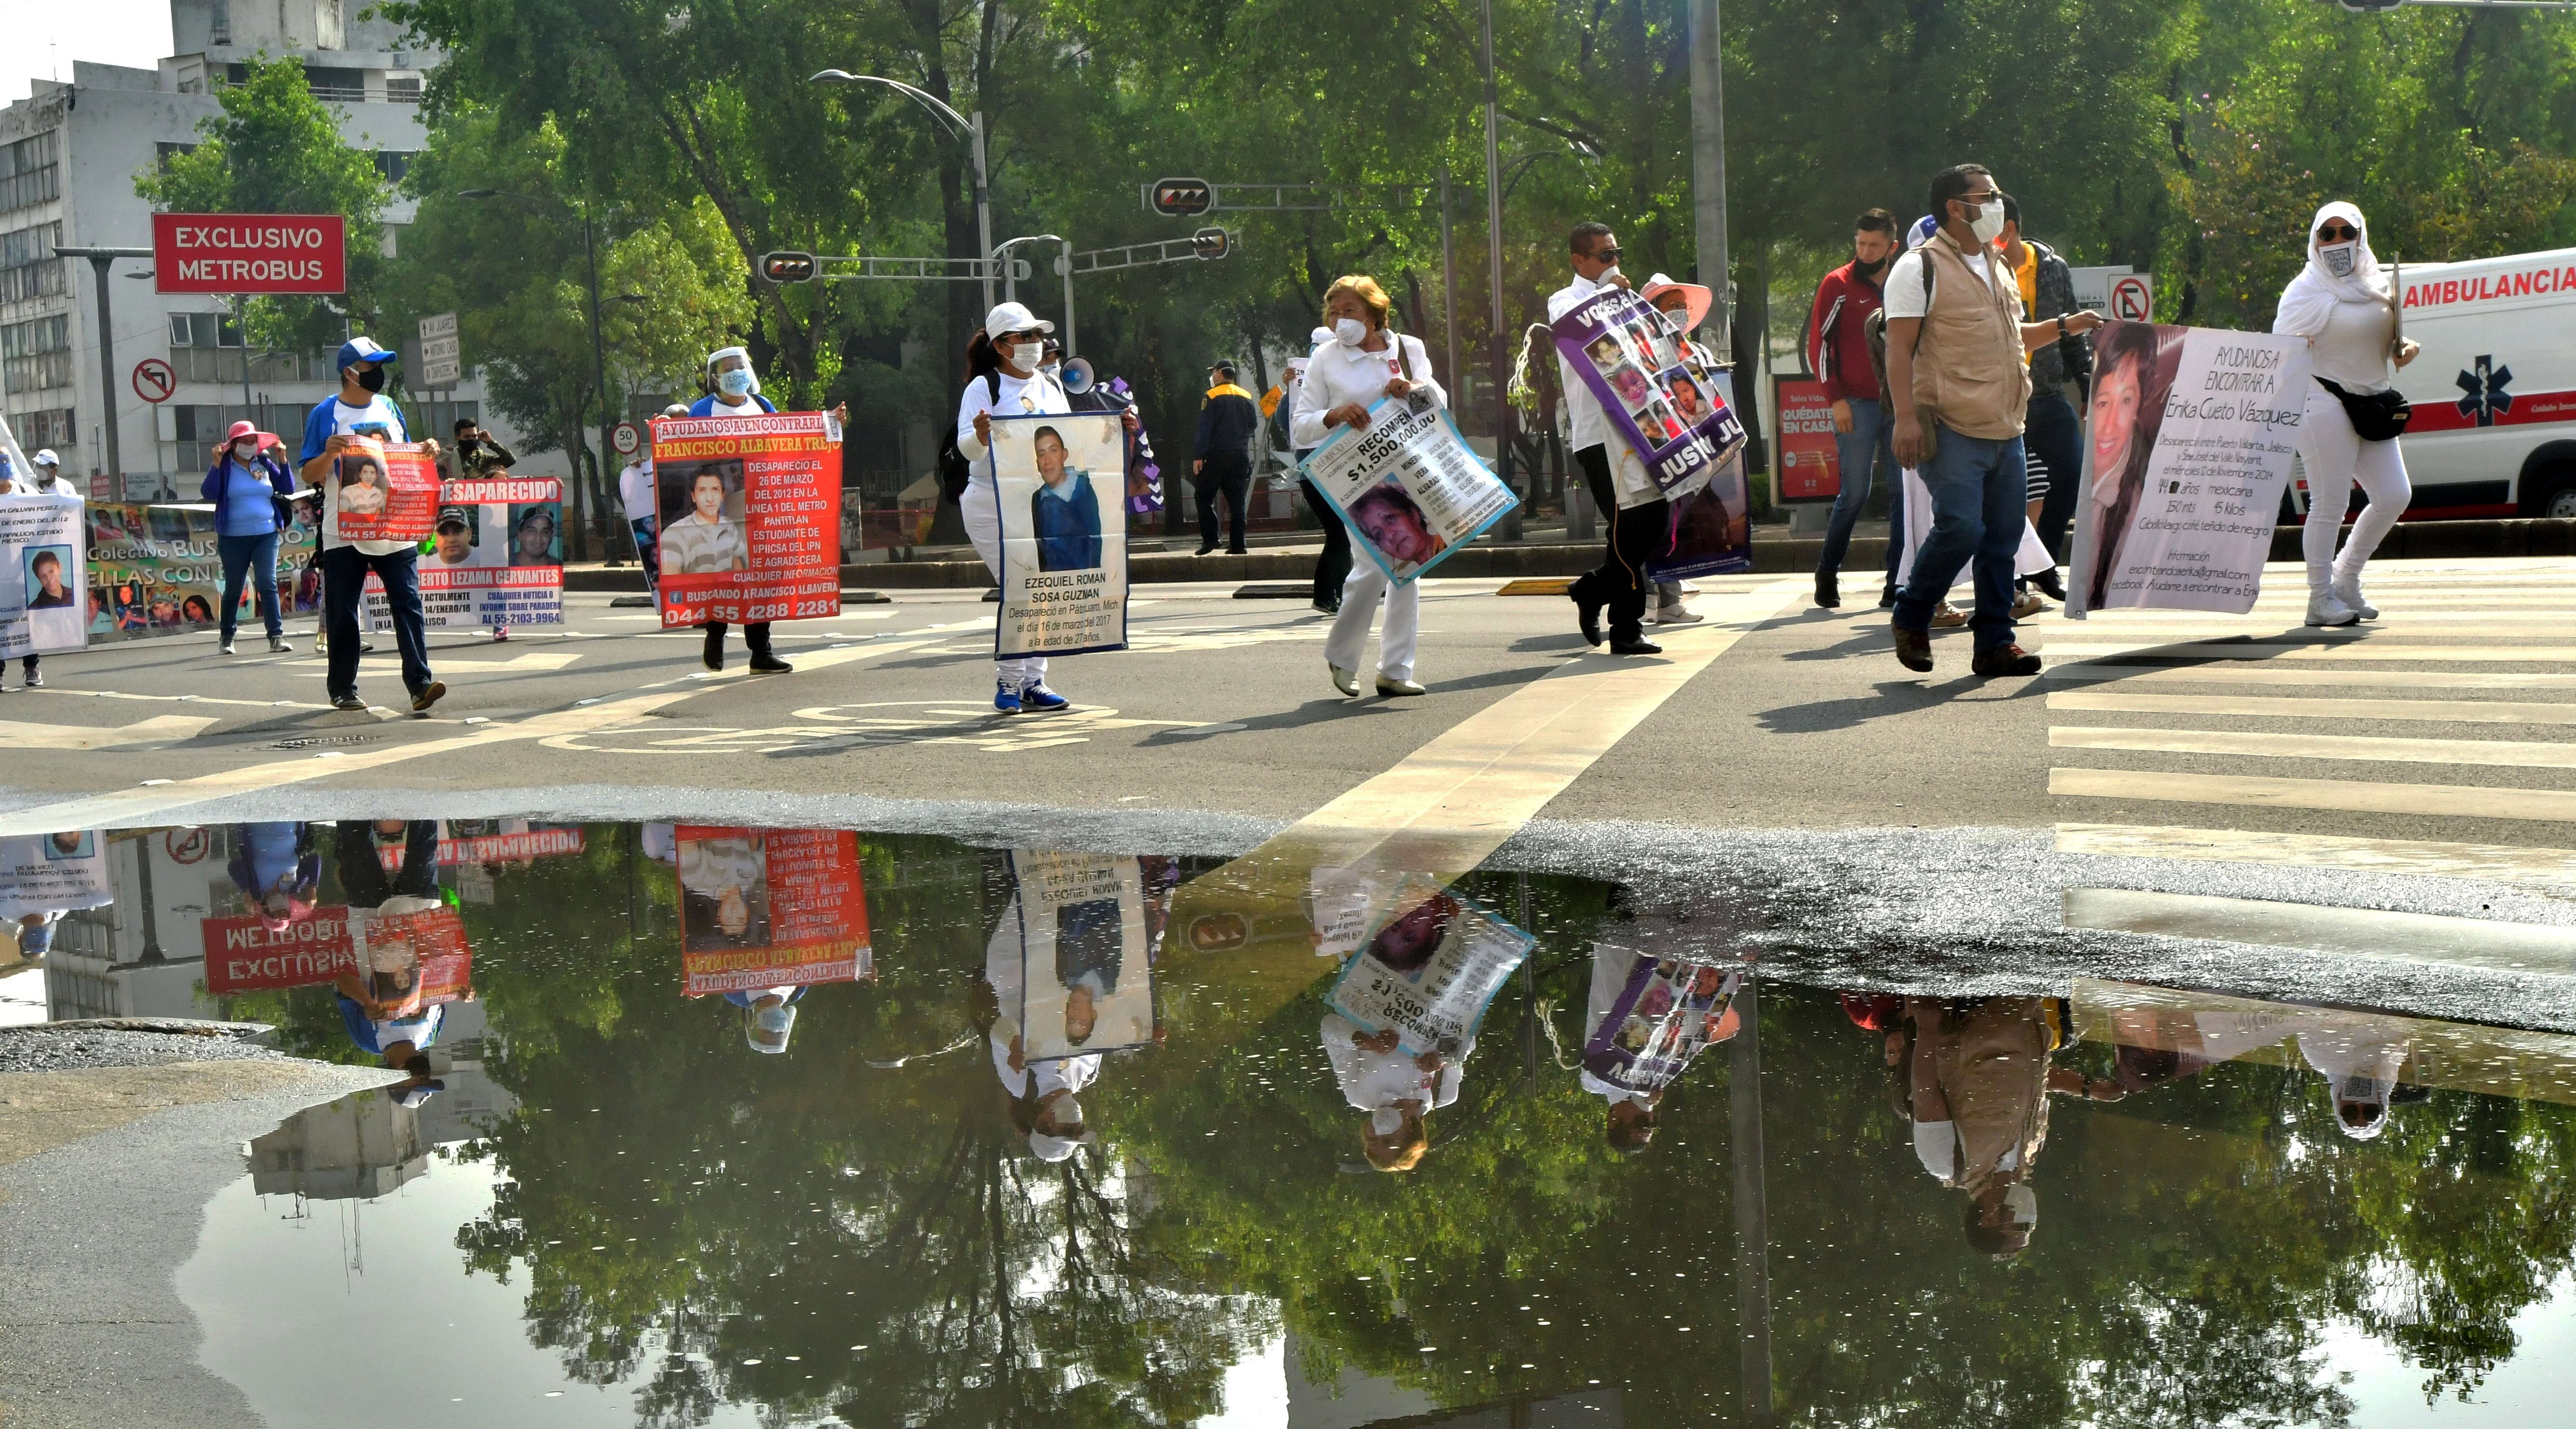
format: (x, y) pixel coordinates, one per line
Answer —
(2376, 416)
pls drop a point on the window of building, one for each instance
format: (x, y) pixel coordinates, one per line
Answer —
(394, 163)
(337, 83)
(28, 267)
(203, 330)
(44, 427)
(219, 24)
(402, 88)
(37, 355)
(30, 172)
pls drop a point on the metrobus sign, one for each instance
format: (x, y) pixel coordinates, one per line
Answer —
(260, 253)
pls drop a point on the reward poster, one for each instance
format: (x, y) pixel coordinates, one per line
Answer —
(44, 600)
(1429, 973)
(1659, 396)
(1664, 1011)
(497, 557)
(763, 908)
(2187, 453)
(1086, 984)
(750, 513)
(1408, 485)
(1064, 569)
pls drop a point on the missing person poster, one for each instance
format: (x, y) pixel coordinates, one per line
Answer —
(156, 570)
(750, 517)
(1657, 391)
(1652, 1015)
(1064, 568)
(2187, 452)
(764, 908)
(1712, 524)
(1086, 984)
(53, 873)
(1429, 973)
(497, 557)
(380, 491)
(416, 959)
(1408, 485)
(44, 596)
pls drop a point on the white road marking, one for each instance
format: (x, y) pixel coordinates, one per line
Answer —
(2232, 674)
(2347, 650)
(2413, 800)
(161, 729)
(2350, 932)
(2548, 870)
(2498, 753)
(2276, 707)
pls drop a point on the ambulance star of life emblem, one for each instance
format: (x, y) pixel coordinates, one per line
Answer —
(2486, 399)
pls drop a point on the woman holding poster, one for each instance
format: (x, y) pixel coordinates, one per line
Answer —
(1344, 378)
(2342, 304)
(1002, 375)
(2133, 372)
(734, 391)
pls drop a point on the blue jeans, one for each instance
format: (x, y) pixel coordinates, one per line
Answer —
(1978, 488)
(257, 556)
(648, 550)
(344, 585)
(1867, 443)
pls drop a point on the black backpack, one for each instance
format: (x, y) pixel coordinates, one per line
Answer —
(955, 471)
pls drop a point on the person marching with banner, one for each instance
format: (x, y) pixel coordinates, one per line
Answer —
(1344, 378)
(2344, 305)
(734, 391)
(1639, 528)
(1004, 377)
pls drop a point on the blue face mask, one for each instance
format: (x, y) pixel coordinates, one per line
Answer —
(735, 381)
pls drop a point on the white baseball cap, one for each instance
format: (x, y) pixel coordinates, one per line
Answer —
(1014, 317)
(45, 457)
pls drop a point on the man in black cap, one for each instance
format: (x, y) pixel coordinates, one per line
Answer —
(1223, 457)
(455, 536)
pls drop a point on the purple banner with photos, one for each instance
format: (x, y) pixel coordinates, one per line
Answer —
(1659, 391)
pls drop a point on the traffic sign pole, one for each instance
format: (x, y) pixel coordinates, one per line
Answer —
(100, 259)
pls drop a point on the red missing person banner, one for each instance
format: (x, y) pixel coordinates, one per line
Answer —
(750, 517)
(381, 491)
(249, 253)
(763, 908)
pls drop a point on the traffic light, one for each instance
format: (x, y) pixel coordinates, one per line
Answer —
(787, 267)
(1211, 243)
(2368, 6)
(1183, 198)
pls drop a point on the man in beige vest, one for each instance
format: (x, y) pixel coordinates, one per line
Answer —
(1957, 387)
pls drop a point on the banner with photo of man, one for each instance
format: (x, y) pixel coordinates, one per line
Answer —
(1429, 972)
(1712, 524)
(44, 596)
(497, 557)
(53, 873)
(1064, 567)
(2187, 453)
(1087, 981)
(155, 570)
(381, 491)
(1408, 485)
(1661, 399)
(750, 517)
(764, 908)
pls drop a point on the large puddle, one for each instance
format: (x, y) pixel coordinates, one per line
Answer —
(809, 1126)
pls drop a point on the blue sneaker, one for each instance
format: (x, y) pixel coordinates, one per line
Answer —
(1005, 699)
(1043, 700)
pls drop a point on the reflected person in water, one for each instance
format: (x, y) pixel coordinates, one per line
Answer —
(382, 1008)
(1042, 1095)
(278, 869)
(1978, 1077)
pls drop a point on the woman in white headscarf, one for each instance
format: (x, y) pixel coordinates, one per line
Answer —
(2342, 304)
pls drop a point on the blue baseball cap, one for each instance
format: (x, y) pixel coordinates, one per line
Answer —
(363, 349)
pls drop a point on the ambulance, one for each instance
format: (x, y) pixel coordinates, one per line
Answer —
(2494, 390)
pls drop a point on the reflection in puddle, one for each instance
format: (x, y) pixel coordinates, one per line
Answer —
(689, 1124)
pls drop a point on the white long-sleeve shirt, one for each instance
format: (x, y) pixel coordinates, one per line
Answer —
(1586, 424)
(1336, 375)
(1374, 1079)
(1019, 396)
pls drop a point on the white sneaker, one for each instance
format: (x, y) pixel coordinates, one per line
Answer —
(224, 649)
(2347, 589)
(1677, 615)
(2324, 609)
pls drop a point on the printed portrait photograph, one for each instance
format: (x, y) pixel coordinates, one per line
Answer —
(724, 891)
(1064, 512)
(71, 844)
(2134, 366)
(365, 489)
(1050, 476)
(1087, 983)
(703, 508)
(52, 581)
(536, 534)
(1388, 518)
(459, 537)
(1635, 389)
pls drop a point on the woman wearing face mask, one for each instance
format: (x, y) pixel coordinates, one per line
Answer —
(734, 391)
(1003, 375)
(2341, 303)
(249, 487)
(1344, 378)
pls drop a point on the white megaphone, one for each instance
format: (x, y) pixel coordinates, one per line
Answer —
(1077, 375)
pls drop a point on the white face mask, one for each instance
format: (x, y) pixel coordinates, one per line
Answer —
(1024, 355)
(245, 450)
(1350, 332)
(1988, 225)
(2338, 257)
(2021, 1204)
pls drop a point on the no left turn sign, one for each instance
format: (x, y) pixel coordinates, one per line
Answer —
(2132, 299)
(154, 381)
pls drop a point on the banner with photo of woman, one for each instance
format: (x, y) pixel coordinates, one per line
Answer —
(44, 599)
(497, 557)
(764, 908)
(1064, 567)
(1661, 399)
(1408, 485)
(1087, 980)
(750, 517)
(1657, 1018)
(155, 570)
(2187, 454)
(1429, 972)
(1712, 525)
(381, 491)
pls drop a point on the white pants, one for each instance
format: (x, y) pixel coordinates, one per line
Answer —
(982, 508)
(2335, 457)
(1360, 592)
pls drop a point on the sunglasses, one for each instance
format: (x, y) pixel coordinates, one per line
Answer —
(2337, 232)
(1606, 255)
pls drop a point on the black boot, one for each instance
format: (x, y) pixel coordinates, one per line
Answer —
(713, 656)
(1829, 589)
(763, 660)
(2047, 584)
(1887, 594)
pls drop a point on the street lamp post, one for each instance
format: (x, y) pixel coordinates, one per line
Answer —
(1499, 342)
(967, 127)
(100, 260)
(596, 499)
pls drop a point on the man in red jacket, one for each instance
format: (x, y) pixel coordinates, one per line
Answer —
(1838, 352)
